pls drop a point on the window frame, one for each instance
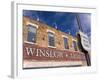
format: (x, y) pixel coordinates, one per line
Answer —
(33, 25)
(50, 31)
(63, 36)
(73, 40)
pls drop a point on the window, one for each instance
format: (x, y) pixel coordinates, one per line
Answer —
(51, 39)
(66, 43)
(75, 45)
(32, 33)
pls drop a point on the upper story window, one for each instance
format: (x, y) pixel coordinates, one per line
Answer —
(75, 45)
(51, 39)
(66, 46)
(32, 33)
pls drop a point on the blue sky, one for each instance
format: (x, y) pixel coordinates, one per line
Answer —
(65, 21)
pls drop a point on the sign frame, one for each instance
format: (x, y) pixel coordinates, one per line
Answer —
(83, 40)
(16, 64)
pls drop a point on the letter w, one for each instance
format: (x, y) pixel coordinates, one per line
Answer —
(30, 50)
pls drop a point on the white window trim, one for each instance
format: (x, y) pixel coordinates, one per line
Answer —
(29, 42)
(51, 46)
(64, 36)
(74, 40)
(48, 30)
(29, 23)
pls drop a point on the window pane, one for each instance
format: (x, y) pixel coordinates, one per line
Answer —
(32, 29)
(51, 39)
(75, 45)
(66, 43)
(31, 34)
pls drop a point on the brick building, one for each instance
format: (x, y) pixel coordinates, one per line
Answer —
(44, 40)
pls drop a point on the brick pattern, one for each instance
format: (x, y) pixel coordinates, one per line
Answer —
(42, 37)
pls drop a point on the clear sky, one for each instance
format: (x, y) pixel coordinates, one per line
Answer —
(65, 21)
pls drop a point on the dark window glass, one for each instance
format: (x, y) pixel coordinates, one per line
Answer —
(51, 39)
(31, 33)
(66, 43)
(75, 45)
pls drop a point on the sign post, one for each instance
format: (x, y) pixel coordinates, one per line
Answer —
(83, 42)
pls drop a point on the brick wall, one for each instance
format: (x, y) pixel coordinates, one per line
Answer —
(42, 37)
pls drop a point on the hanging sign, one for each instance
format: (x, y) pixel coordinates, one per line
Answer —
(84, 41)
